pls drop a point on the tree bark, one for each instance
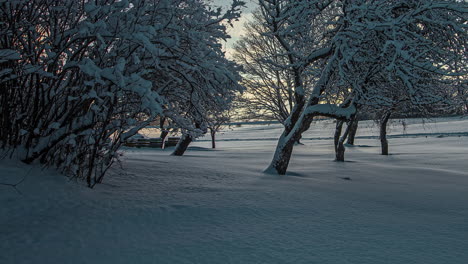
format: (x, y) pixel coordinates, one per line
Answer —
(286, 142)
(340, 139)
(283, 153)
(340, 151)
(182, 145)
(213, 139)
(298, 141)
(164, 134)
(298, 121)
(338, 129)
(383, 132)
(352, 132)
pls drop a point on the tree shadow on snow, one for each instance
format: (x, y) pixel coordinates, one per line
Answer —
(345, 161)
(359, 146)
(201, 149)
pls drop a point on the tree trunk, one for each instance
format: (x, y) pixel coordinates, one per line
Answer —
(338, 129)
(340, 149)
(352, 132)
(298, 141)
(213, 135)
(164, 132)
(286, 142)
(298, 120)
(283, 153)
(285, 146)
(383, 132)
(163, 136)
(339, 141)
(182, 145)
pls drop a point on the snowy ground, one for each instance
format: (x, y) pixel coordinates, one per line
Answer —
(215, 206)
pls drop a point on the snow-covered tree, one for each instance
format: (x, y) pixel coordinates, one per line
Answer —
(76, 89)
(373, 43)
(209, 83)
(268, 79)
(78, 78)
(216, 121)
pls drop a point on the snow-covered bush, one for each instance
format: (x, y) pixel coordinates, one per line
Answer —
(77, 78)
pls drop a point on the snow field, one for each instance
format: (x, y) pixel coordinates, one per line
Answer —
(216, 206)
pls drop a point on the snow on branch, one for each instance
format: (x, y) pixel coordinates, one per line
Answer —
(331, 110)
(79, 77)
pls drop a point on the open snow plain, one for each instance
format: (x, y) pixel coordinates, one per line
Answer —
(216, 206)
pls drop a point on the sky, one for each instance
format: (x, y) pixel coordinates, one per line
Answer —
(238, 29)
